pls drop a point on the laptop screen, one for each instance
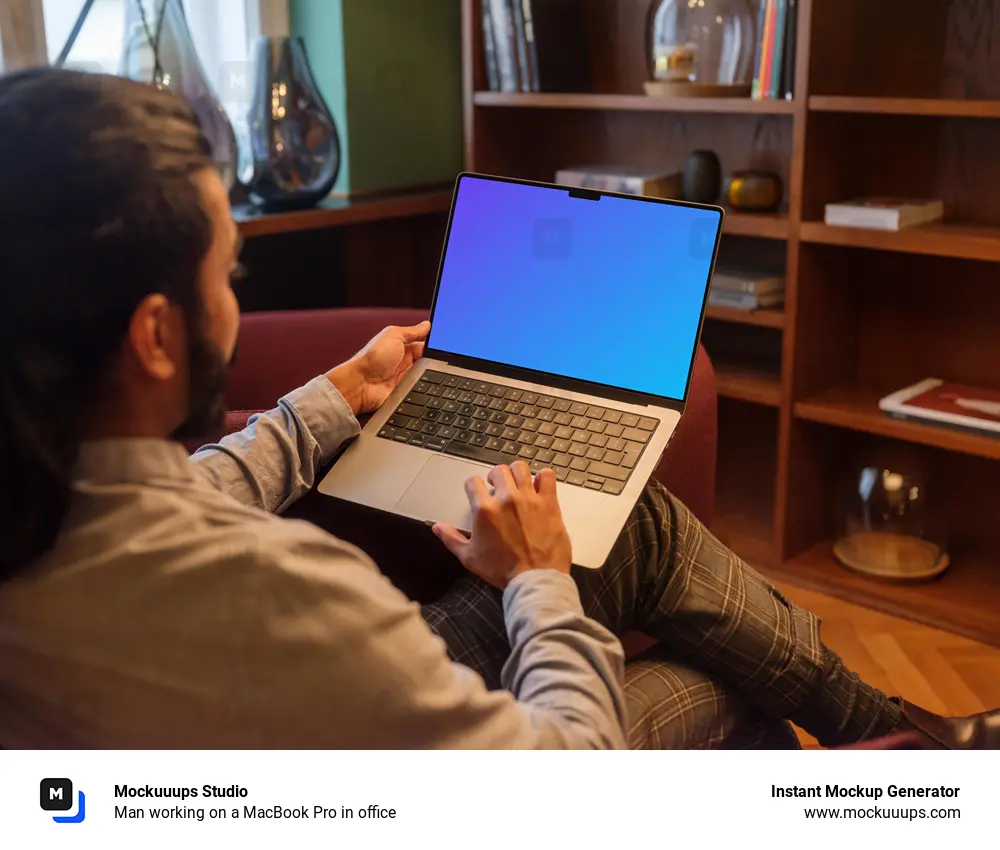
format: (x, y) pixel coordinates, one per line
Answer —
(601, 289)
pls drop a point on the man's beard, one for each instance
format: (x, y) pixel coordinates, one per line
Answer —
(208, 374)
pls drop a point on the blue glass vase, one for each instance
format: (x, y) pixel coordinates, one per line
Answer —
(293, 138)
(158, 50)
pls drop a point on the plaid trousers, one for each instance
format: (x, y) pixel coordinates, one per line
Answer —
(734, 661)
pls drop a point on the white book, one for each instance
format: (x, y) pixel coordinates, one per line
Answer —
(883, 213)
(744, 300)
(744, 280)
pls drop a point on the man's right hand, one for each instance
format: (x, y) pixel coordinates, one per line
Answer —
(517, 528)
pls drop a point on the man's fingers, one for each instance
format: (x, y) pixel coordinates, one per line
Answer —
(501, 478)
(453, 539)
(475, 489)
(545, 482)
(416, 350)
(522, 474)
(416, 333)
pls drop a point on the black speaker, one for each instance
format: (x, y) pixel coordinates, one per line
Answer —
(702, 177)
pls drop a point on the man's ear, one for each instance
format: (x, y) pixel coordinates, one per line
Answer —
(155, 336)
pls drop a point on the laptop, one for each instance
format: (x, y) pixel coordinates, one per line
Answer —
(564, 327)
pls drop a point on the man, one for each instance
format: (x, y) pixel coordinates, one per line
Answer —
(151, 600)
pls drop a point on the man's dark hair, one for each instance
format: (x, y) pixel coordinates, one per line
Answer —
(97, 211)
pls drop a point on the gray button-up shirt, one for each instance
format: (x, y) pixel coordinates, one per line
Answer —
(178, 610)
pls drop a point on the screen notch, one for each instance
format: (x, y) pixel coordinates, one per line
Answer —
(585, 194)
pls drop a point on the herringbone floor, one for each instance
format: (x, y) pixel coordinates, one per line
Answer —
(936, 670)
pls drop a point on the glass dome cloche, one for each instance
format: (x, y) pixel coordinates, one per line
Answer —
(702, 48)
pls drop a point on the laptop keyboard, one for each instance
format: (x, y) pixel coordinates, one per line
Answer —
(588, 446)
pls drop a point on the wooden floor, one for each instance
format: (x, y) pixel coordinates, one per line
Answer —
(937, 670)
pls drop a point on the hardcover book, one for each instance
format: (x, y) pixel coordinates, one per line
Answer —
(745, 281)
(945, 403)
(884, 213)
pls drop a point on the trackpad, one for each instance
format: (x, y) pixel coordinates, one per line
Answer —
(438, 492)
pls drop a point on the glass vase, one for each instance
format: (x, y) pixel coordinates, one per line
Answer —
(710, 42)
(293, 137)
(158, 50)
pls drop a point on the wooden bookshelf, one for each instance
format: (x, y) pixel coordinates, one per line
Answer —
(912, 112)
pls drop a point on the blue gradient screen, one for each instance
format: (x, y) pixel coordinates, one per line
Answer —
(609, 291)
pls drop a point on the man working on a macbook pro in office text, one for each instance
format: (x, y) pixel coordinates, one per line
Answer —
(150, 600)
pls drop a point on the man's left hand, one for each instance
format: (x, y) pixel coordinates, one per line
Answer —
(366, 380)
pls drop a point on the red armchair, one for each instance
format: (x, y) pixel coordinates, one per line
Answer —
(280, 351)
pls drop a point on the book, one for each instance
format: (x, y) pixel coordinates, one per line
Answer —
(745, 281)
(791, 38)
(505, 48)
(759, 53)
(560, 45)
(763, 89)
(778, 49)
(529, 38)
(941, 402)
(745, 300)
(520, 40)
(653, 183)
(883, 213)
(490, 50)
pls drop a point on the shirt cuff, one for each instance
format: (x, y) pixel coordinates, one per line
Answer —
(325, 413)
(536, 594)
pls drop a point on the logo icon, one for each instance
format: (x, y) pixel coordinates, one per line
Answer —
(56, 795)
(552, 238)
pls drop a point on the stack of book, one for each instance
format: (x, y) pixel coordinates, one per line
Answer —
(884, 213)
(651, 182)
(774, 62)
(535, 45)
(741, 289)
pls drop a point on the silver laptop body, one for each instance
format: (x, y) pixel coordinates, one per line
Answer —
(455, 415)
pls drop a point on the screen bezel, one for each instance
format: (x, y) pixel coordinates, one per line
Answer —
(562, 381)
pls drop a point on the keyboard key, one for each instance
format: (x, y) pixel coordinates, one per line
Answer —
(648, 424)
(494, 443)
(578, 409)
(463, 436)
(631, 457)
(463, 423)
(398, 421)
(402, 435)
(529, 411)
(387, 433)
(430, 428)
(613, 487)
(530, 398)
(598, 440)
(515, 421)
(614, 458)
(510, 433)
(547, 428)
(579, 422)
(451, 407)
(494, 430)
(544, 442)
(477, 427)
(546, 416)
(513, 395)
(561, 405)
(452, 393)
(497, 392)
(431, 415)
(417, 439)
(410, 410)
(595, 453)
(478, 439)
(467, 398)
(561, 460)
(562, 419)
(595, 412)
(613, 416)
(482, 388)
(577, 478)
(636, 434)
(530, 425)
(593, 485)
(481, 400)
(432, 377)
(537, 466)
(435, 444)
(496, 404)
(545, 401)
(421, 387)
(629, 420)
(451, 380)
(578, 449)
(580, 437)
(413, 424)
(597, 426)
(614, 430)
(606, 470)
(562, 473)
(467, 384)
(544, 455)
(446, 418)
(561, 445)
(498, 417)
(467, 409)
(510, 449)
(481, 413)
(434, 390)
(527, 452)
(580, 464)
(616, 444)
(513, 407)
(435, 403)
(526, 437)
(564, 432)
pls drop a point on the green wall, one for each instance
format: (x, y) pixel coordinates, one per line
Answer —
(390, 71)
